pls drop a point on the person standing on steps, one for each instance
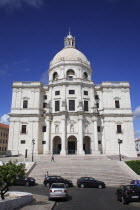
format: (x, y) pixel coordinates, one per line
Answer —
(46, 175)
(52, 159)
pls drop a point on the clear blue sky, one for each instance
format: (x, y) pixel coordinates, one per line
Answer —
(106, 31)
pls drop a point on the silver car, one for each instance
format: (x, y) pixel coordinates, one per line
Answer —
(58, 190)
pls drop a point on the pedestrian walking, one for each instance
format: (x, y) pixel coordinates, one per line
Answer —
(52, 159)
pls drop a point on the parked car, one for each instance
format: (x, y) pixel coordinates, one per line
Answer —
(24, 180)
(136, 182)
(89, 182)
(58, 190)
(57, 179)
(128, 193)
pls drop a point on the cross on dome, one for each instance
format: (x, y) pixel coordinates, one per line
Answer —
(69, 41)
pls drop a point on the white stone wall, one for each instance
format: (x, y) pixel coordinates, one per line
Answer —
(77, 126)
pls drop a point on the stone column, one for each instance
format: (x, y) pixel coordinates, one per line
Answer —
(103, 137)
(47, 136)
(94, 119)
(64, 138)
(80, 136)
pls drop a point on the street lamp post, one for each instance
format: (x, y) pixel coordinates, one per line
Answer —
(120, 142)
(33, 142)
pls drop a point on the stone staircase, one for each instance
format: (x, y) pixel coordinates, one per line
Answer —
(72, 167)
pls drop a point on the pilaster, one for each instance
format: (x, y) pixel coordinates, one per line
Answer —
(63, 144)
(80, 134)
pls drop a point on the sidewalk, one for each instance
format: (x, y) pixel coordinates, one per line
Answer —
(40, 202)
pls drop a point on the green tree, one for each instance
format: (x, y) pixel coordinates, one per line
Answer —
(8, 173)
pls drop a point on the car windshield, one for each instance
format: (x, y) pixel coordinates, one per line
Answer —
(131, 187)
(58, 186)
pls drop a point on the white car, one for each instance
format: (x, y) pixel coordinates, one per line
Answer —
(58, 190)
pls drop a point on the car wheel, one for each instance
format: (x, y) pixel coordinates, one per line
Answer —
(117, 198)
(124, 201)
(100, 186)
(48, 185)
(27, 184)
(82, 185)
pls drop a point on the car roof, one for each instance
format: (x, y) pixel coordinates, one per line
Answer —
(86, 177)
(58, 184)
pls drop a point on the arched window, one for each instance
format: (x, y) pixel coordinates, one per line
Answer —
(70, 74)
(85, 75)
(55, 76)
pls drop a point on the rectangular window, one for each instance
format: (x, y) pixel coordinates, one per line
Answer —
(1, 133)
(44, 105)
(22, 141)
(86, 106)
(117, 104)
(98, 128)
(0, 148)
(57, 93)
(5, 148)
(45, 97)
(96, 97)
(25, 104)
(71, 91)
(71, 105)
(97, 105)
(99, 142)
(86, 93)
(43, 142)
(23, 129)
(57, 106)
(44, 129)
(119, 129)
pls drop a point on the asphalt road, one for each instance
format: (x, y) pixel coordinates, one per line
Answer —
(84, 199)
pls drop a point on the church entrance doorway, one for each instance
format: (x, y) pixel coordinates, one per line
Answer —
(86, 144)
(72, 145)
(56, 145)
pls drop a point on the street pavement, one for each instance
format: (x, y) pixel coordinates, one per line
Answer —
(79, 198)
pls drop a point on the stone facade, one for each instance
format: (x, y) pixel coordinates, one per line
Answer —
(71, 115)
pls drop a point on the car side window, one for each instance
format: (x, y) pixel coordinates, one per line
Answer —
(91, 179)
(132, 182)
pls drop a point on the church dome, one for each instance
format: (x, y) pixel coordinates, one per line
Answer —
(70, 53)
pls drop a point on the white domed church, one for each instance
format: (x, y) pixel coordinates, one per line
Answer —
(71, 115)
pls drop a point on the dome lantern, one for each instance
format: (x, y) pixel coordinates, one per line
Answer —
(69, 41)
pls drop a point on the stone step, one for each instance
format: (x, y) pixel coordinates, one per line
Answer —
(73, 167)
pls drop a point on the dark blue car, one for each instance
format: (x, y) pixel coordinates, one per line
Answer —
(136, 182)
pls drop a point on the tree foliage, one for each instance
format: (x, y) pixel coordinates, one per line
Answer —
(8, 173)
